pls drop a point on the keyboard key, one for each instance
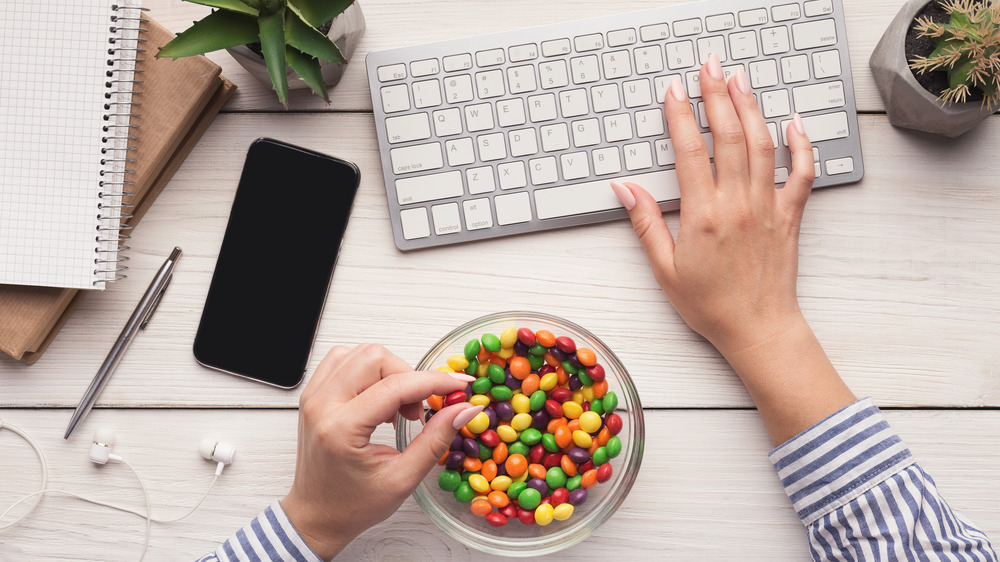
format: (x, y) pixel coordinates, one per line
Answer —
(491, 147)
(815, 97)
(513, 208)
(556, 47)
(815, 8)
(617, 64)
(574, 165)
(618, 127)
(753, 17)
(586, 132)
(708, 45)
(429, 187)
(426, 93)
(512, 175)
(480, 180)
(649, 123)
(774, 40)
(780, 175)
(660, 85)
(553, 74)
(490, 84)
(523, 142)
(458, 89)
(820, 128)
(585, 69)
(812, 34)
(637, 156)
(785, 12)
(425, 67)
(521, 53)
(478, 117)
(460, 152)
(491, 57)
(446, 220)
(414, 222)
(406, 128)
(773, 129)
(680, 55)
(457, 62)
(521, 79)
(447, 122)
(555, 137)
(637, 93)
(720, 22)
(795, 69)
(510, 112)
(743, 45)
(573, 102)
(605, 98)
(591, 42)
(416, 158)
(621, 37)
(687, 27)
(607, 161)
(664, 150)
(693, 82)
(395, 98)
(648, 60)
(592, 196)
(391, 72)
(543, 170)
(826, 64)
(775, 103)
(542, 107)
(763, 74)
(839, 166)
(478, 214)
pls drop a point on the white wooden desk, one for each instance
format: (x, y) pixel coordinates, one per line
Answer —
(898, 277)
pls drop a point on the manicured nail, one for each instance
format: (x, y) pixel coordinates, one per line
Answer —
(463, 377)
(799, 127)
(624, 195)
(677, 90)
(714, 66)
(465, 416)
(741, 80)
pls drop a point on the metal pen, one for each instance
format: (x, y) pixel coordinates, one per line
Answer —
(140, 317)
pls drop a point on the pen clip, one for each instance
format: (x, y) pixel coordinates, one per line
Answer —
(156, 303)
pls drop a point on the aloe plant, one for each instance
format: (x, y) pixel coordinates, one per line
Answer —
(967, 48)
(286, 29)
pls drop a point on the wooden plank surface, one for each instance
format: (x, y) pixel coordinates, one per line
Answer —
(705, 491)
(897, 276)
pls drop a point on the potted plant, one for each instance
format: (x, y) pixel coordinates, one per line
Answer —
(937, 66)
(278, 40)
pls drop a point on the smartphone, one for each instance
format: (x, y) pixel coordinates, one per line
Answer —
(276, 263)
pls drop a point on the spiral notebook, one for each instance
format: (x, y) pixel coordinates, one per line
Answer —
(66, 88)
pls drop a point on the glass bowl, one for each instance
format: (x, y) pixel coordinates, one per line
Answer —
(516, 538)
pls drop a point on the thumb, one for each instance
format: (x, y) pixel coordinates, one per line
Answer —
(648, 224)
(433, 441)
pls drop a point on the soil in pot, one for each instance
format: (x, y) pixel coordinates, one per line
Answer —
(934, 82)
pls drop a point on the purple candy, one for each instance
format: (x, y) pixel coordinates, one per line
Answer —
(428, 415)
(511, 382)
(520, 348)
(540, 485)
(578, 496)
(540, 419)
(577, 455)
(502, 469)
(558, 354)
(504, 411)
(454, 459)
(456, 443)
(574, 383)
(493, 417)
(576, 362)
(471, 447)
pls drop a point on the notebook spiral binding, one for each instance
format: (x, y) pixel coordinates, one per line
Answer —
(125, 49)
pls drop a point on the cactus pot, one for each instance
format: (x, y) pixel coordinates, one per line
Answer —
(907, 103)
(346, 31)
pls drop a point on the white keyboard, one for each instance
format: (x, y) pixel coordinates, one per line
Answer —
(523, 131)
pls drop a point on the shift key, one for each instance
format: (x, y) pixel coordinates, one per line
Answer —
(821, 127)
(418, 189)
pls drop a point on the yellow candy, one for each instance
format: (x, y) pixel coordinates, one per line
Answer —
(577, 396)
(479, 424)
(508, 337)
(507, 433)
(505, 352)
(590, 422)
(482, 370)
(458, 362)
(582, 439)
(521, 403)
(543, 513)
(446, 369)
(549, 381)
(479, 483)
(501, 483)
(520, 422)
(480, 400)
(588, 393)
(523, 477)
(562, 511)
(572, 410)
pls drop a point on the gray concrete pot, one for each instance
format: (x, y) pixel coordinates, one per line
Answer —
(908, 104)
(346, 32)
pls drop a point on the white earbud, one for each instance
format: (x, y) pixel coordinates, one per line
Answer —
(100, 451)
(218, 451)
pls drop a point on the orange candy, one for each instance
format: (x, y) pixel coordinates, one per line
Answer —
(573, 424)
(516, 465)
(536, 471)
(586, 357)
(499, 453)
(435, 402)
(551, 360)
(498, 499)
(563, 436)
(600, 388)
(519, 369)
(555, 423)
(481, 507)
(443, 457)
(604, 436)
(568, 466)
(545, 337)
(497, 360)
(594, 445)
(483, 356)
(466, 433)
(530, 384)
(589, 479)
(563, 376)
(489, 470)
(472, 464)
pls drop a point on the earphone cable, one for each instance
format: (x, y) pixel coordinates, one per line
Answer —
(45, 476)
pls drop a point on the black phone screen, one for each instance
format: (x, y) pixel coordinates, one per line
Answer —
(276, 262)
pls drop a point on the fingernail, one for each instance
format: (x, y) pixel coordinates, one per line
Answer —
(714, 66)
(465, 416)
(741, 80)
(624, 195)
(799, 127)
(677, 90)
(462, 377)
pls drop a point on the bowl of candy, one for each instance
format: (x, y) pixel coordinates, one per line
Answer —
(557, 447)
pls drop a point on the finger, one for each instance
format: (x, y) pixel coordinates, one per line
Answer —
(323, 371)
(649, 226)
(359, 369)
(727, 133)
(422, 453)
(759, 144)
(383, 399)
(694, 170)
(800, 180)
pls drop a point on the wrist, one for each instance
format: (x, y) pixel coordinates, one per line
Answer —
(326, 538)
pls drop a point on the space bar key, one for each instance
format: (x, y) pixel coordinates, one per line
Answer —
(592, 196)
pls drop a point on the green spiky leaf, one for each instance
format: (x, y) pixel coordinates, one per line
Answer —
(218, 30)
(318, 12)
(959, 74)
(231, 5)
(308, 70)
(272, 44)
(309, 40)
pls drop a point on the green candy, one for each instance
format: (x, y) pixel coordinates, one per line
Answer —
(537, 400)
(485, 452)
(491, 343)
(536, 361)
(569, 367)
(472, 349)
(555, 478)
(518, 448)
(501, 393)
(597, 406)
(529, 498)
(473, 367)
(538, 350)
(465, 475)
(515, 489)
(449, 480)
(531, 436)
(614, 447)
(482, 385)
(586, 380)
(610, 402)
(574, 482)
(464, 493)
(496, 374)
(549, 443)
(601, 456)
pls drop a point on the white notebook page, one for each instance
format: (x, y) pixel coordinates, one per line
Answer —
(53, 80)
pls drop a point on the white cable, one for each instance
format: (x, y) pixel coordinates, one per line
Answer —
(145, 544)
(45, 476)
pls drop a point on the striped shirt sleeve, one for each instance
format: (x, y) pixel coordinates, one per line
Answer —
(862, 497)
(269, 536)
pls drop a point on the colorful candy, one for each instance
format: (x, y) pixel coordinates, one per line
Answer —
(546, 436)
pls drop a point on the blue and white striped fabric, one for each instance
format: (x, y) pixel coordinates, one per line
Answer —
(861, 496)
(269, 536)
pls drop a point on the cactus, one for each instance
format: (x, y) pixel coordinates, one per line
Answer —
(967, 48)
(286, 29)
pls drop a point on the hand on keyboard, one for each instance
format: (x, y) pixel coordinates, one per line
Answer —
(731, 273)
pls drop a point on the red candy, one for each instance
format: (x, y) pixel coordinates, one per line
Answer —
(526, 517)
(560, 496)
(536, 454)
(496, 519)
(490, 438)
(604, 473)
(456, 397)
(527, 337)
(551, 460)
(596, 372)
(554, 408)
(561, 395)
(613, 423)
(565, 344)
(509, 511)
